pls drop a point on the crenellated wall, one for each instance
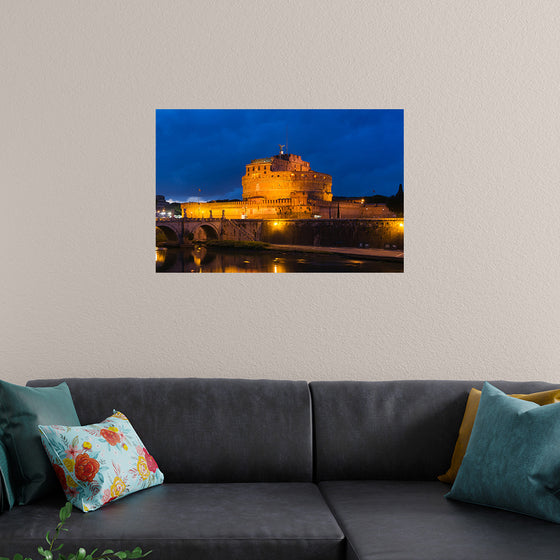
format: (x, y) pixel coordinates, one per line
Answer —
(298, 206)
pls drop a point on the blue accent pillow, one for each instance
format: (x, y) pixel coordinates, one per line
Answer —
(99, 463)
(513, 457)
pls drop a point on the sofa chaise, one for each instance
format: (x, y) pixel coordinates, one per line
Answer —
(263, 469)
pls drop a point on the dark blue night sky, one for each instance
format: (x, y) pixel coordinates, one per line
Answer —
(208, 149)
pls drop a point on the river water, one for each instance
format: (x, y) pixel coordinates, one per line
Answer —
(202, 259)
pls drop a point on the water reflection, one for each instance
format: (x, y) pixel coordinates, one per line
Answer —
(202, 259)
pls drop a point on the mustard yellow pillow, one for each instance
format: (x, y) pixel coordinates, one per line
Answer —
(541, 398)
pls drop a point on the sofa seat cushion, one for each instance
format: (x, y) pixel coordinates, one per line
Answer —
(412, 520)
(192, 521)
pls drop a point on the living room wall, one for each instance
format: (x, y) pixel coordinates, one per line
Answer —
(478, 83)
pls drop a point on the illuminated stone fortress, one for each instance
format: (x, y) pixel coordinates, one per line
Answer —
(285, 186)
(284, 176)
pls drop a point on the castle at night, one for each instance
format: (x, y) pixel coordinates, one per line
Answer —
(285, 186)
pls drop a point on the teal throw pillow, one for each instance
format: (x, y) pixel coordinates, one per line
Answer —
(513, 457)
(7, 498)
(21, 410)
(100, 463)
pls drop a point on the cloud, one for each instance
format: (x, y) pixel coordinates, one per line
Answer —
(208, 149)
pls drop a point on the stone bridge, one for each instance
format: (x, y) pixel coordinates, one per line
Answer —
(357, 232)
(178, 231)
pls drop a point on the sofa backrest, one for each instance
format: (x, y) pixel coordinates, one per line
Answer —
(400, 430)
(208, 430)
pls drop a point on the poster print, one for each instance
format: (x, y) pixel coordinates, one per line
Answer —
(279, 191)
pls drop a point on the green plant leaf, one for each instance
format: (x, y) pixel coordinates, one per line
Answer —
(65, 512)
(68, 509)
(46, 554)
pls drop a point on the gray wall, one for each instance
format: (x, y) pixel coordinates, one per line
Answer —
(479, 85)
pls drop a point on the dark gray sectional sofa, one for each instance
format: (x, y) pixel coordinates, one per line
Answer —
(288, 470)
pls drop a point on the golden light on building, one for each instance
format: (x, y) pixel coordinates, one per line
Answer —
(284, 186)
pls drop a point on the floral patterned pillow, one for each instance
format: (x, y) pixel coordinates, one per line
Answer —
(99, 463)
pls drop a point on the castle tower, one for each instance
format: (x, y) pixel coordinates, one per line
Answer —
(284, 176)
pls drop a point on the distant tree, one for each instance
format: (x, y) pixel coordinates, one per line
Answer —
(395, 203)
(174, 208)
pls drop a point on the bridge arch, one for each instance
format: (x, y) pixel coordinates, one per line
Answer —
(204, 232)
(166, 235)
